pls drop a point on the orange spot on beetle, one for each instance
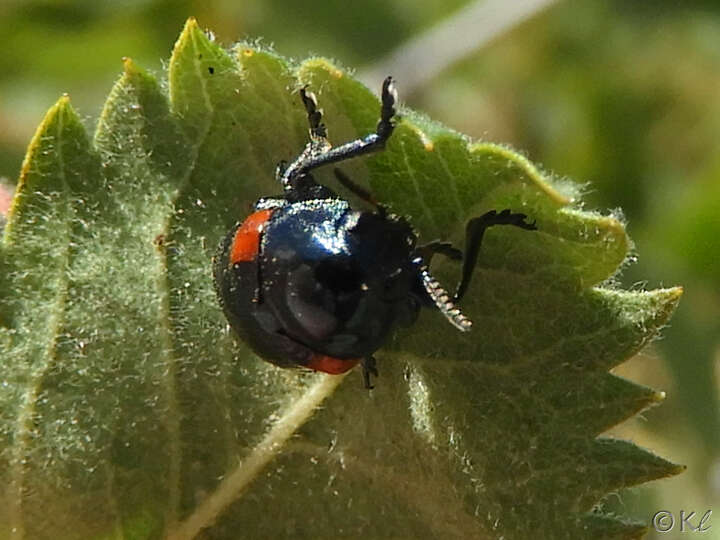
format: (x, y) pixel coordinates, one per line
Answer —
(333, 366)
(246, 244)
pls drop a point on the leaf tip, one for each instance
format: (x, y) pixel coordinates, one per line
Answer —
(61, 109)
(190, 30)
(613, 224)
(190, 24)
(676, 468)
(132, 73)
(669, 299)
(321, 64)
(57, 118)
(131, 70)
(128, 64)
(675, 293)
(663, 468)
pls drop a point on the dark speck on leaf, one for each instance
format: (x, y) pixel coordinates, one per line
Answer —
(211, 70)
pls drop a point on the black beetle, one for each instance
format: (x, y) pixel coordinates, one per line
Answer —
(306, 280)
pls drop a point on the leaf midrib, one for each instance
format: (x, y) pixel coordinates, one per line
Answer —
(273, 443)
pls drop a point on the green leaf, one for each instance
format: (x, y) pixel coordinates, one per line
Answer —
(128, 410)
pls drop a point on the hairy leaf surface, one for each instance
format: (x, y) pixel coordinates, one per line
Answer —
(127, 410)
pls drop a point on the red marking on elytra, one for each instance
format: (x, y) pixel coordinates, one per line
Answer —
(333, 366)
(246, 244)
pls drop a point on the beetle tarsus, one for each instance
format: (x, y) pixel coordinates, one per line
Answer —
(369, 367)
(314, 115)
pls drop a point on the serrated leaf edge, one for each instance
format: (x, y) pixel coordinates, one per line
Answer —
(228, 490)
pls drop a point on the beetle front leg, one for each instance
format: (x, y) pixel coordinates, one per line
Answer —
(374, 142)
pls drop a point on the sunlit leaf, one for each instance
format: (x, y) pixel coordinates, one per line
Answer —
(128, 410)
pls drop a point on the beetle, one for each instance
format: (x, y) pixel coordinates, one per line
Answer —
(307, 281)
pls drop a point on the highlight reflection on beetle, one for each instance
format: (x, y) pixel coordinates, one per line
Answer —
(307, 281)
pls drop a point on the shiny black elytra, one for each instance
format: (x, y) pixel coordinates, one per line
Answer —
(307, 281)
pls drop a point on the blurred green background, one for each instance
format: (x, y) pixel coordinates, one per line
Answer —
(621, 96)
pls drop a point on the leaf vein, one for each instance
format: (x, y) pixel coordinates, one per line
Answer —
(238, 480)
(411, 173)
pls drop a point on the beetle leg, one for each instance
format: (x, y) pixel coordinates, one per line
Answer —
(474, 232)
(268, 203)
(369, 367)
(280, 169)
(374, 142)
(319, 143)
(314, 115)
(441, 298)
(426, 251)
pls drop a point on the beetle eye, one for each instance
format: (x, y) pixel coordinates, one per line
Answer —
(338, 276)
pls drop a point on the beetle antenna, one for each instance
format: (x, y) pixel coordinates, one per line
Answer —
(359, 191)
(443, 301)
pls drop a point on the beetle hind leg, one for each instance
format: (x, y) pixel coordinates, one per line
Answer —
(369, 367)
